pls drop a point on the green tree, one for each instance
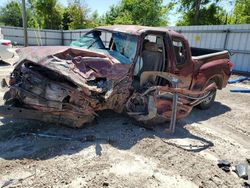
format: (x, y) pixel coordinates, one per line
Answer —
(33, 19)
(77, 12)
(95, 20)
(50, 12)
(111, 15)
(11, 14)
(241, 12)
(201, 12)
(66, 19)
(147, 12)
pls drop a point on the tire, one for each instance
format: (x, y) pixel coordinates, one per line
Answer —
(208, 102)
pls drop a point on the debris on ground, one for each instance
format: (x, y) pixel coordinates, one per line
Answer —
(248, 160)
(239, 79)
(88, 138)
(224, 165)
(240, 90)
(15, 181)
(4, 83)
(246, 184)
(242, 170)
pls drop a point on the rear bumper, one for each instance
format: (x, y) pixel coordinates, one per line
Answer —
(62, 118)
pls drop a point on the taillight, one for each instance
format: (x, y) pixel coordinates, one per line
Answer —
(230, 65)
(6, 43)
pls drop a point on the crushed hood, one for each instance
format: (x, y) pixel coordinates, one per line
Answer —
(78, 65)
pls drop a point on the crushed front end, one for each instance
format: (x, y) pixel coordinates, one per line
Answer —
(68, 87)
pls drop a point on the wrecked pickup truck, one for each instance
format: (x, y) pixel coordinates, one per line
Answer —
(149, 73)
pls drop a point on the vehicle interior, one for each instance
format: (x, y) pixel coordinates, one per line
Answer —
(180, 52)
(151, 58)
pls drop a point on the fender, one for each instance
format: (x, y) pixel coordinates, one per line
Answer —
(217, 70)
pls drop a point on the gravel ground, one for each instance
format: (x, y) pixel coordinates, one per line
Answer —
(115, 151)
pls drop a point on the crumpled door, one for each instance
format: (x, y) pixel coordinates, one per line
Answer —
(158, 104)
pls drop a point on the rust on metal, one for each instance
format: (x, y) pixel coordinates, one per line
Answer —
(69, 85)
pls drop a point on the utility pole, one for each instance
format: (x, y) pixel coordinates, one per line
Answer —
(24, 23)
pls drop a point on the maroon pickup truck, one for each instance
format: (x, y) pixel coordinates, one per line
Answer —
(149, 73)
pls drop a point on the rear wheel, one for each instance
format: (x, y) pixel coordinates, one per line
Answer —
(208, 101)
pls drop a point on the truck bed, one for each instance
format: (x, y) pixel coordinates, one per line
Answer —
(204, 54)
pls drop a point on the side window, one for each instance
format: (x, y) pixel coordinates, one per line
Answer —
(180, 52)
(151, 38)
(158, 40)
(106, 37)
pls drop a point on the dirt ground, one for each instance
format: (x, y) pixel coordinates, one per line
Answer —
(115, 151)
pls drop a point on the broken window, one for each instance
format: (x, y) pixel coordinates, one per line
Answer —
(90, 40)
(125, 44)
(119, 45)
(180, 52)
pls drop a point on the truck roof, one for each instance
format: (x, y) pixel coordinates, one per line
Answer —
(137, 29)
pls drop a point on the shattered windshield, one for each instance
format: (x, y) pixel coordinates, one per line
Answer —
(119, 45)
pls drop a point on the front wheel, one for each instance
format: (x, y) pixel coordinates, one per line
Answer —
(208, 101)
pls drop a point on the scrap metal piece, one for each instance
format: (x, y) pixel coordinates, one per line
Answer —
(242, 170)
(224, 165)
(246, 184)
(87, 138)
(16, 181)
(174, 82)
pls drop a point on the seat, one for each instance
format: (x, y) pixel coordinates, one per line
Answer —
(151, 57)
(152, 60)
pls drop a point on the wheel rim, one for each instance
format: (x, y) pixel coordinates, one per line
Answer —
(209, 98)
